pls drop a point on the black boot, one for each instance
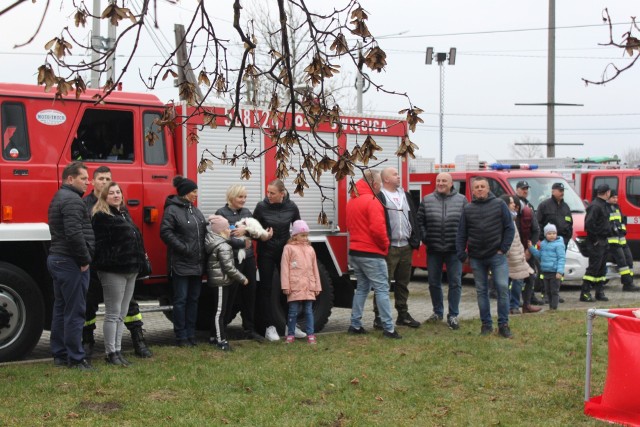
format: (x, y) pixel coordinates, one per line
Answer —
(88, 342)
(600, 296)
(139, 344)
(585, 293)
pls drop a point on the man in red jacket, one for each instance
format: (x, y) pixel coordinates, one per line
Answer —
(368, 248)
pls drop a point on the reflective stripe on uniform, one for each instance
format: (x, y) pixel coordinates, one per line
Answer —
(613, 241)
(90, 322)
(594, 279)
(129, 319)
(625, 271)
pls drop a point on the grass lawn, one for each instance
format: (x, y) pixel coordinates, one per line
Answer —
(432, 377)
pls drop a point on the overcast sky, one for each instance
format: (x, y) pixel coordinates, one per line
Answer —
(501, 60)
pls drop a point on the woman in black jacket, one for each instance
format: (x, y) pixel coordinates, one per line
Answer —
(276, 213)
(183, 230)
(119, 255)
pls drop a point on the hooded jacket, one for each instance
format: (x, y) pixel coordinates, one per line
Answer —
(299, 272)
(70, 226)
(221, 267)
(486, 227)
(518, 267)
(438, 219)
(119, 247)
(183, 230)
(552, 256)
(278, 216)
(366, 223)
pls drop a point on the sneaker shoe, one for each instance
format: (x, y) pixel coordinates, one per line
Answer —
(224, 346)
(59, 362)
(290, 339)
(271, 334)
(253, 335)
(113, 359)
(434, 318)
(407, 320)
(311, 339)
(377, 324)
(630, 288)
(586, 297)
(535, 300)
(82, 365)
(192, 342)
(297, 333)
(486, 329)
(504, 331)
(452, 321)
(356, 331)
(514, 311)
(393, 335)
(600, 296)
(182, 343)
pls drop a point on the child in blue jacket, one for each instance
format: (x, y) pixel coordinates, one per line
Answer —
(552, 258)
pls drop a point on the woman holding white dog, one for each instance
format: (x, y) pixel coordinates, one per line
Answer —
(234, 211)
(276, 213)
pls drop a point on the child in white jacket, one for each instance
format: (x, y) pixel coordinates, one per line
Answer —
(300, 279)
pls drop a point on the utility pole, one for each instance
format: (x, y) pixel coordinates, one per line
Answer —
(100, 45)
(440, 58)
(359, 82)
(551, 81)
(185, 72)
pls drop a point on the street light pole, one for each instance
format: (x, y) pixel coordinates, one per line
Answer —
(440, 57)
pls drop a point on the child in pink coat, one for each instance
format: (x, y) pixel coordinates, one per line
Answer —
(300, 279)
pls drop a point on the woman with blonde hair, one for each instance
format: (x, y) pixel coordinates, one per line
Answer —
(119, 255)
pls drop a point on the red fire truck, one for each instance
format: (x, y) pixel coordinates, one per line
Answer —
(503, 180)
(40, 136)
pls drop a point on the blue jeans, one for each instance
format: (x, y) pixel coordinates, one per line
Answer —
(371, 273)
(498, 265)
(70, 286)
(435, 262)
(294, 310)
(515, 293)
(186, 291)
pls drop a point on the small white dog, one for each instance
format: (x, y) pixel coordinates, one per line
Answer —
(253, 230)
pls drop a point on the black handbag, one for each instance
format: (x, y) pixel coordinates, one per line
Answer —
(145, 268)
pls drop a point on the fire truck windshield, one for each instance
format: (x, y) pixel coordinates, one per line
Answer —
(540, 190)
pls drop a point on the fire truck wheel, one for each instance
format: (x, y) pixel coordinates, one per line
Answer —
(21, 313)
(321, 307)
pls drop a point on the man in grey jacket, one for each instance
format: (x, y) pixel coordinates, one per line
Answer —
(438, 219)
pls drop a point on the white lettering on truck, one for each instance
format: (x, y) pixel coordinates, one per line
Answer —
(51, 117)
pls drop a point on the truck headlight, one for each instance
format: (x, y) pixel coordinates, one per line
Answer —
(573, 246)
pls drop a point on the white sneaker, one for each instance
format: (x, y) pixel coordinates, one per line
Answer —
(298, 332)
(271, 334)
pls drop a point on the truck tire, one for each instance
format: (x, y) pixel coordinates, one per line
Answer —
(321, 307)
(22, 315)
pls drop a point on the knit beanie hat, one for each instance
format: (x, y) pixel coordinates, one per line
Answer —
(550, 228)
(184, 185)
(299, 226)
(218, 223)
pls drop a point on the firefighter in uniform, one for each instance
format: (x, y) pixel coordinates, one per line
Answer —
(618, 245)
(598, 228)
(133, 320)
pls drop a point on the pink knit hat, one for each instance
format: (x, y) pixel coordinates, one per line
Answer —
(299, 226)
(218, 223)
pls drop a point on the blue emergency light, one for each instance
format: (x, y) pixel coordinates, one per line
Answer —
(506, 166)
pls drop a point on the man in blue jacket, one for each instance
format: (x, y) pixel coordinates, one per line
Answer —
(485, 234)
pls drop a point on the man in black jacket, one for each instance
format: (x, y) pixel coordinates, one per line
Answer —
(597, 226)
(438, 219)
(72, 246)
(555, 211)
(400, 214)
(485, 233)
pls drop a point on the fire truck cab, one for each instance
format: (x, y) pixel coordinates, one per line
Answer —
(503, 181)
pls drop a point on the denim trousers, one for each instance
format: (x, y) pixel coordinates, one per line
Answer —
(294, 310)
(371, 273)
(399, 271)
(118, 291)
(499, 267)
(70, 286)
(435, 262)
(186, 291)
(515, 293)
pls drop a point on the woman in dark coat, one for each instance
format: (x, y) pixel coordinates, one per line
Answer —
(118, 258)
(276, 213)
(183, 230)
